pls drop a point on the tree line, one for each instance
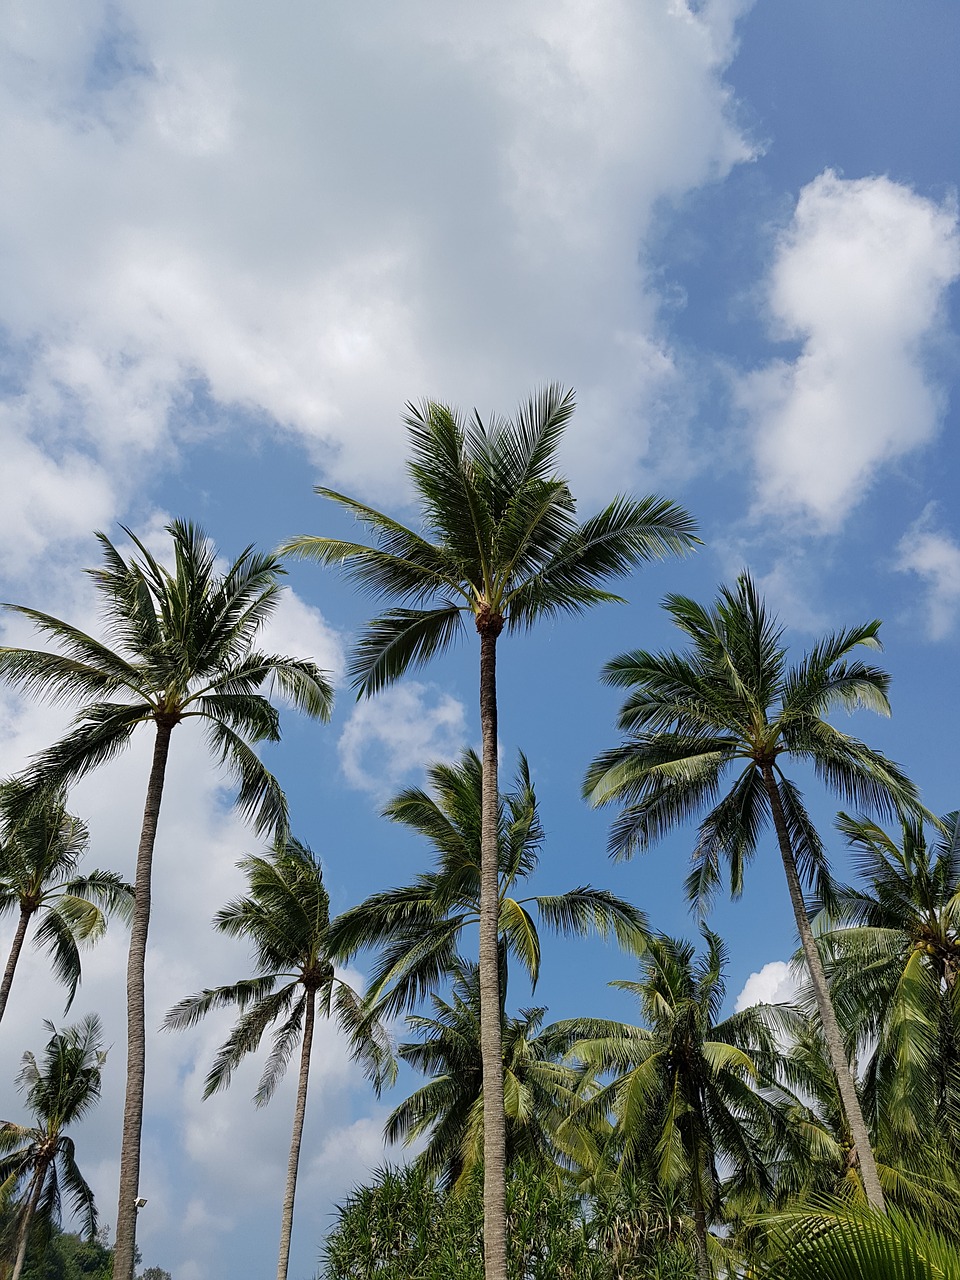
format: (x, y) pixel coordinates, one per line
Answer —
(710, 1123)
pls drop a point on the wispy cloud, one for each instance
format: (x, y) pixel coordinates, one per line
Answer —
(934, 555)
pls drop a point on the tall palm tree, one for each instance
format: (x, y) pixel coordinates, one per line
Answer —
(41, 1159)
(500, 545)
(180, 646)
(539, 1090)
(684, 1088)
(40, 847)
(418, 927)
(891, 951)
(732, 702)
(285, 916)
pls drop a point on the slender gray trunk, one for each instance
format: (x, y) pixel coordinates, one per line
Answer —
(18, 937)
(126, 1243)
(286, 1218)
(700, 1241)
(828, 1017)
(491, 1049)
(30, 1210)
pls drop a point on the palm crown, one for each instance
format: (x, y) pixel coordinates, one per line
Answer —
(684, 1089)
(418, 927)
(41, 845)
(180, 645)
(892, 952)
(60, 1090)
(732, 702)
(501, 540)
(539, 1090)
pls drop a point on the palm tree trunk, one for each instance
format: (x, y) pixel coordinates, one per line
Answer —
(15, 950)
(491, 1049)
(27, 1223)
(828, 1017)
(286, 1218)
(126, 1243)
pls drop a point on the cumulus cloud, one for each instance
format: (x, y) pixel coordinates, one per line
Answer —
(397, 734)
(774, 983)
(934, 556)
(858, 281)
(316, 214)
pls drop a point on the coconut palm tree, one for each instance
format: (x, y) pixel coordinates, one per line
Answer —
(732, 703)
(40, 847)
(684, 1089)
(418, 928)
(180, 646)
(539, 1091)
(285, 916)
(500, 546)
(41, 1159)
(891, 951)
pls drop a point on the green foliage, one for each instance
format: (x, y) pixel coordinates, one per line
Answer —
(500, 536)
(851, 1242)
(539, 1091)
(182, 647)
(285, 917)
(402, 1226)
(731, 704)
(39, 1162)
(41, 845)
(417, 928)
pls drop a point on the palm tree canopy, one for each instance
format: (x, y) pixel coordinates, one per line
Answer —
(891, 949)
(285, 916)
(539, 1091)
(500, 539)
(830, 1241)
(41, 845)
(59, 1089)
(179, 643)
(418, 927)
(733, 703)
(684, 1088)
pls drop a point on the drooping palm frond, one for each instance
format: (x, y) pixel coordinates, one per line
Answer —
(415, 930)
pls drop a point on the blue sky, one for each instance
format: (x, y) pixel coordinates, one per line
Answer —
(236, 239)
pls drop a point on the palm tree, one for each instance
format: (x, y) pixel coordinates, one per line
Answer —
(180, 646)
(891, 952)
(41, 1159)
(685, 1087)
(286, 917)
(539, 1091)
(733, 702)
(418, 927)
(502, 546)
(40, 847)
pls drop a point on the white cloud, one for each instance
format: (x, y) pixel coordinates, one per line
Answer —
(299, 630)
(397, 734)
(935, 556)
(774, 983)
(317, 214)
(859, 280)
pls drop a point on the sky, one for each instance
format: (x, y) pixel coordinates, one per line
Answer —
(235, 239)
